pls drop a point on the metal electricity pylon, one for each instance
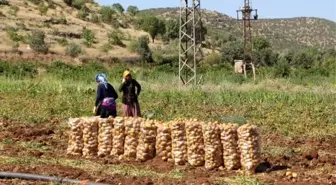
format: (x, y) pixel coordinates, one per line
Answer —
(190, 42)
(246, 17)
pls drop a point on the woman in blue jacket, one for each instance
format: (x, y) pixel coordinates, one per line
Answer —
(105, 105)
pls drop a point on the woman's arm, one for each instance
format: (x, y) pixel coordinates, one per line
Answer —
(114, 93)
(138, 86)
(100, 95)
(121, 87)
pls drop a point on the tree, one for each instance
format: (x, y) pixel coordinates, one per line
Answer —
(260, 43)
(118, 7)
(172, 29)
(132, 10)
(144, 49)
(265, 57)
(88, 36)
(151, 25)
(37, 42)
(233, 50)
(302, 59)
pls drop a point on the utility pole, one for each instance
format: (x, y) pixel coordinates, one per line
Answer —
(246, 17)
(190, 41)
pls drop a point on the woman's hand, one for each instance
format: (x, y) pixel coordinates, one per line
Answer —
(94, 110)
(123, 80)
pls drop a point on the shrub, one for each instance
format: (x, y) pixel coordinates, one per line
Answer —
(132, 10)
(133, 46)
(4, 2)
(43, 8)
(18, 70)
(115, 38)
(88, 36)
(15, 46)
(62, 41)
(35, 2)
(37, 42)
(106, 48)
(78, 4)
(94, 18)
(107, 14)
(61, 20)
(13, 10)
(74, 50)
(282, 69)
(13, 35)
(211, 59)
(68, 2)
(83, 13)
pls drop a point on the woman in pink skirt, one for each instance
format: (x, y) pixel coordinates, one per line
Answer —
(131, 90)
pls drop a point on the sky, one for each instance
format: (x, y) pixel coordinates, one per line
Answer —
(266, 8)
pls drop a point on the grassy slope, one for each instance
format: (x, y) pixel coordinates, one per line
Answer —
(28, 18)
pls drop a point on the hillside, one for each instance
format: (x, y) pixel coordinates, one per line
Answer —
(284, 34)
(62, 27)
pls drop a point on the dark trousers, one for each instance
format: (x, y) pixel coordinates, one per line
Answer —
(105, 112)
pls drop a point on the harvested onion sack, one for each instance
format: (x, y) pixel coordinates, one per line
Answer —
(249, 146)
(75, 144)
(164, 142)
(90, 136)
(212, 146)
(118, 133)
(229, 139)
(105, 136)
(195, 143)
(132, 130)
(179, 142)
(147, 140)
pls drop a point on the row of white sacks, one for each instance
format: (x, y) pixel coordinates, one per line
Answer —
(212, 145)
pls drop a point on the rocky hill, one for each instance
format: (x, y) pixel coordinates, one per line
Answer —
(284, 34)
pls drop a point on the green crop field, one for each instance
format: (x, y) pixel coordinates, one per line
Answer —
(35, 93)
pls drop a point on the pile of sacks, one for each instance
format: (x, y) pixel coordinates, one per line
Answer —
(212, 145)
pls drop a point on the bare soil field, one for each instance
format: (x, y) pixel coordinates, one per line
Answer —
(42, 150)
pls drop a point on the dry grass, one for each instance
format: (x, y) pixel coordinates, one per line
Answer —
(30, 16)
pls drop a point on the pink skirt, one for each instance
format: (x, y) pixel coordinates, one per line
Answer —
(132, 110)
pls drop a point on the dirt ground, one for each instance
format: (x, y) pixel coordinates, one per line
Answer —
(303, 162)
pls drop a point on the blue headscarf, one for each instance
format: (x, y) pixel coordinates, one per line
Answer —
(102, 78)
